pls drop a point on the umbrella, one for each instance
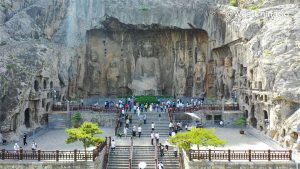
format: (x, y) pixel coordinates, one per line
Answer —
(193, 115)
(142, 165)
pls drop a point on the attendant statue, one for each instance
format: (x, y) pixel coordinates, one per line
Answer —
(199, 75)
(219, 74)
(228, 76)
(180, 76)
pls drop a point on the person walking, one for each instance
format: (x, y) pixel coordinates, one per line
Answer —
(162, 149)
(138, 111)
(24, 139)
(113, 145)
(127, 123)
(171, 126)
(134, 109)
(152, 137)
(130, 118)
(16, 148)
(125, 131)
(145, 118)
(175, 151)
(134, 131)
(167, 145)
(152, 126)
(157, 138)
(33, 146)
(140, 131)
(160, 165)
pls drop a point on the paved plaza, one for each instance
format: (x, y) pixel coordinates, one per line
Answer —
(54, 140)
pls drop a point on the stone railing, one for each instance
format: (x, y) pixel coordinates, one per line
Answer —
(57, 155)
(83, 108)
(250, 155)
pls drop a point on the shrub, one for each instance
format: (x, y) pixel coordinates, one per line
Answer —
(76, 119)
(146, 99)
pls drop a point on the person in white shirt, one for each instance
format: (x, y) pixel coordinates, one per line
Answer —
(140, 131)
(138, 111)
(125, 131)
(157, 138)
(173, 133)
(160, 165)
(175, 151)
(16, 148)
(221, 123)
(134, 109)
(33, 146)
(152, 126)
(152, 137)
(113, 145)
(171, 126)
(127, 123)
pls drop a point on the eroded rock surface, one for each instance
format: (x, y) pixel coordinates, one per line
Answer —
(56, 50)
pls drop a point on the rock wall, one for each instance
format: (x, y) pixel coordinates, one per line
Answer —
(170, 47)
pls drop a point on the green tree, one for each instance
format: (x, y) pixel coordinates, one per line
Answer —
(241, 122)
(198, 136)
(86, 134)
(76, 119)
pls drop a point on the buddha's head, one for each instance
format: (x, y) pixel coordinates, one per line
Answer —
(146, 49)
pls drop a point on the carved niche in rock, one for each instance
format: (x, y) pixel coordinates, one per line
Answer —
(112, 76)
(146, 79)
(228, 76)
(199, 75)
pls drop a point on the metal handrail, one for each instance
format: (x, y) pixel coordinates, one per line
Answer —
(108, 147)
(131, 154)
(181, 161)
(156, 157)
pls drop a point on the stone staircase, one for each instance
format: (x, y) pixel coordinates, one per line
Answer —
(169, 160)
(58, 120)
(119, 158)
(143, 154)
(161, 124)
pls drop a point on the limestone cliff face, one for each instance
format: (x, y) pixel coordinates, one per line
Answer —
(171, 47)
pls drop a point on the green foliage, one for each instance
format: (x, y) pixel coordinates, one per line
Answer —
(242, 121)
(182, 140)
(233, 3)
(85, 134)
(198, 136)
(146, 99)
(76, 119)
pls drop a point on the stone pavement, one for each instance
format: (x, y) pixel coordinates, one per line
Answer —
(54, 140)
